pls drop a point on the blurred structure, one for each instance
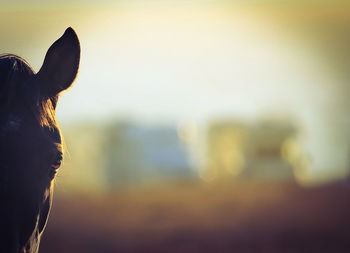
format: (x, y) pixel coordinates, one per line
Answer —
(226, 149)
(121, 154)
(135, 154)
(252, 151)
(264, 151)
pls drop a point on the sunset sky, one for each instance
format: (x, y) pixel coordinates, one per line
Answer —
(193, 61)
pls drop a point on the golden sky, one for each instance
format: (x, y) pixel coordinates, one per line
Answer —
(167, 61)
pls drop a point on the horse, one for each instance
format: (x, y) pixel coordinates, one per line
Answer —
(30, 140)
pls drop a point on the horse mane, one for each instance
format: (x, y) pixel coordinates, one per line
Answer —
(13, 69)
(14, 73)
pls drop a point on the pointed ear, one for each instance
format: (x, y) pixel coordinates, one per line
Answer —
(60, 65)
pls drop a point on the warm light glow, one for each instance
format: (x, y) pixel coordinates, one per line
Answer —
(159, 62)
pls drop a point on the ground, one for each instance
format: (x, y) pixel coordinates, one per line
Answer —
(195, 217)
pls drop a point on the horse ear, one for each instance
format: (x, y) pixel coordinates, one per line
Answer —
(60, 65)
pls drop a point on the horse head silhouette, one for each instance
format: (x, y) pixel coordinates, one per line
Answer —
(30, 140)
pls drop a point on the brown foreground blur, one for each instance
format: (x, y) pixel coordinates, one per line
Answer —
(188, 217)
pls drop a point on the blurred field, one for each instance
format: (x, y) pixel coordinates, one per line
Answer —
(234, 216)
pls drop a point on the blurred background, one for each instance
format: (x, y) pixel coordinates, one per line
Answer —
(198, 126)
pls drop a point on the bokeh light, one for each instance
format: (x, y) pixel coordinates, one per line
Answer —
(197, 124)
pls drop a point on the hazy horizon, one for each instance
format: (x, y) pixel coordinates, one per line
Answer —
(193, 61)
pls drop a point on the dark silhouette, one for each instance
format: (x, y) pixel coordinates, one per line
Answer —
(30, 141)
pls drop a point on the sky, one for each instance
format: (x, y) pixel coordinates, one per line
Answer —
(195, 61)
